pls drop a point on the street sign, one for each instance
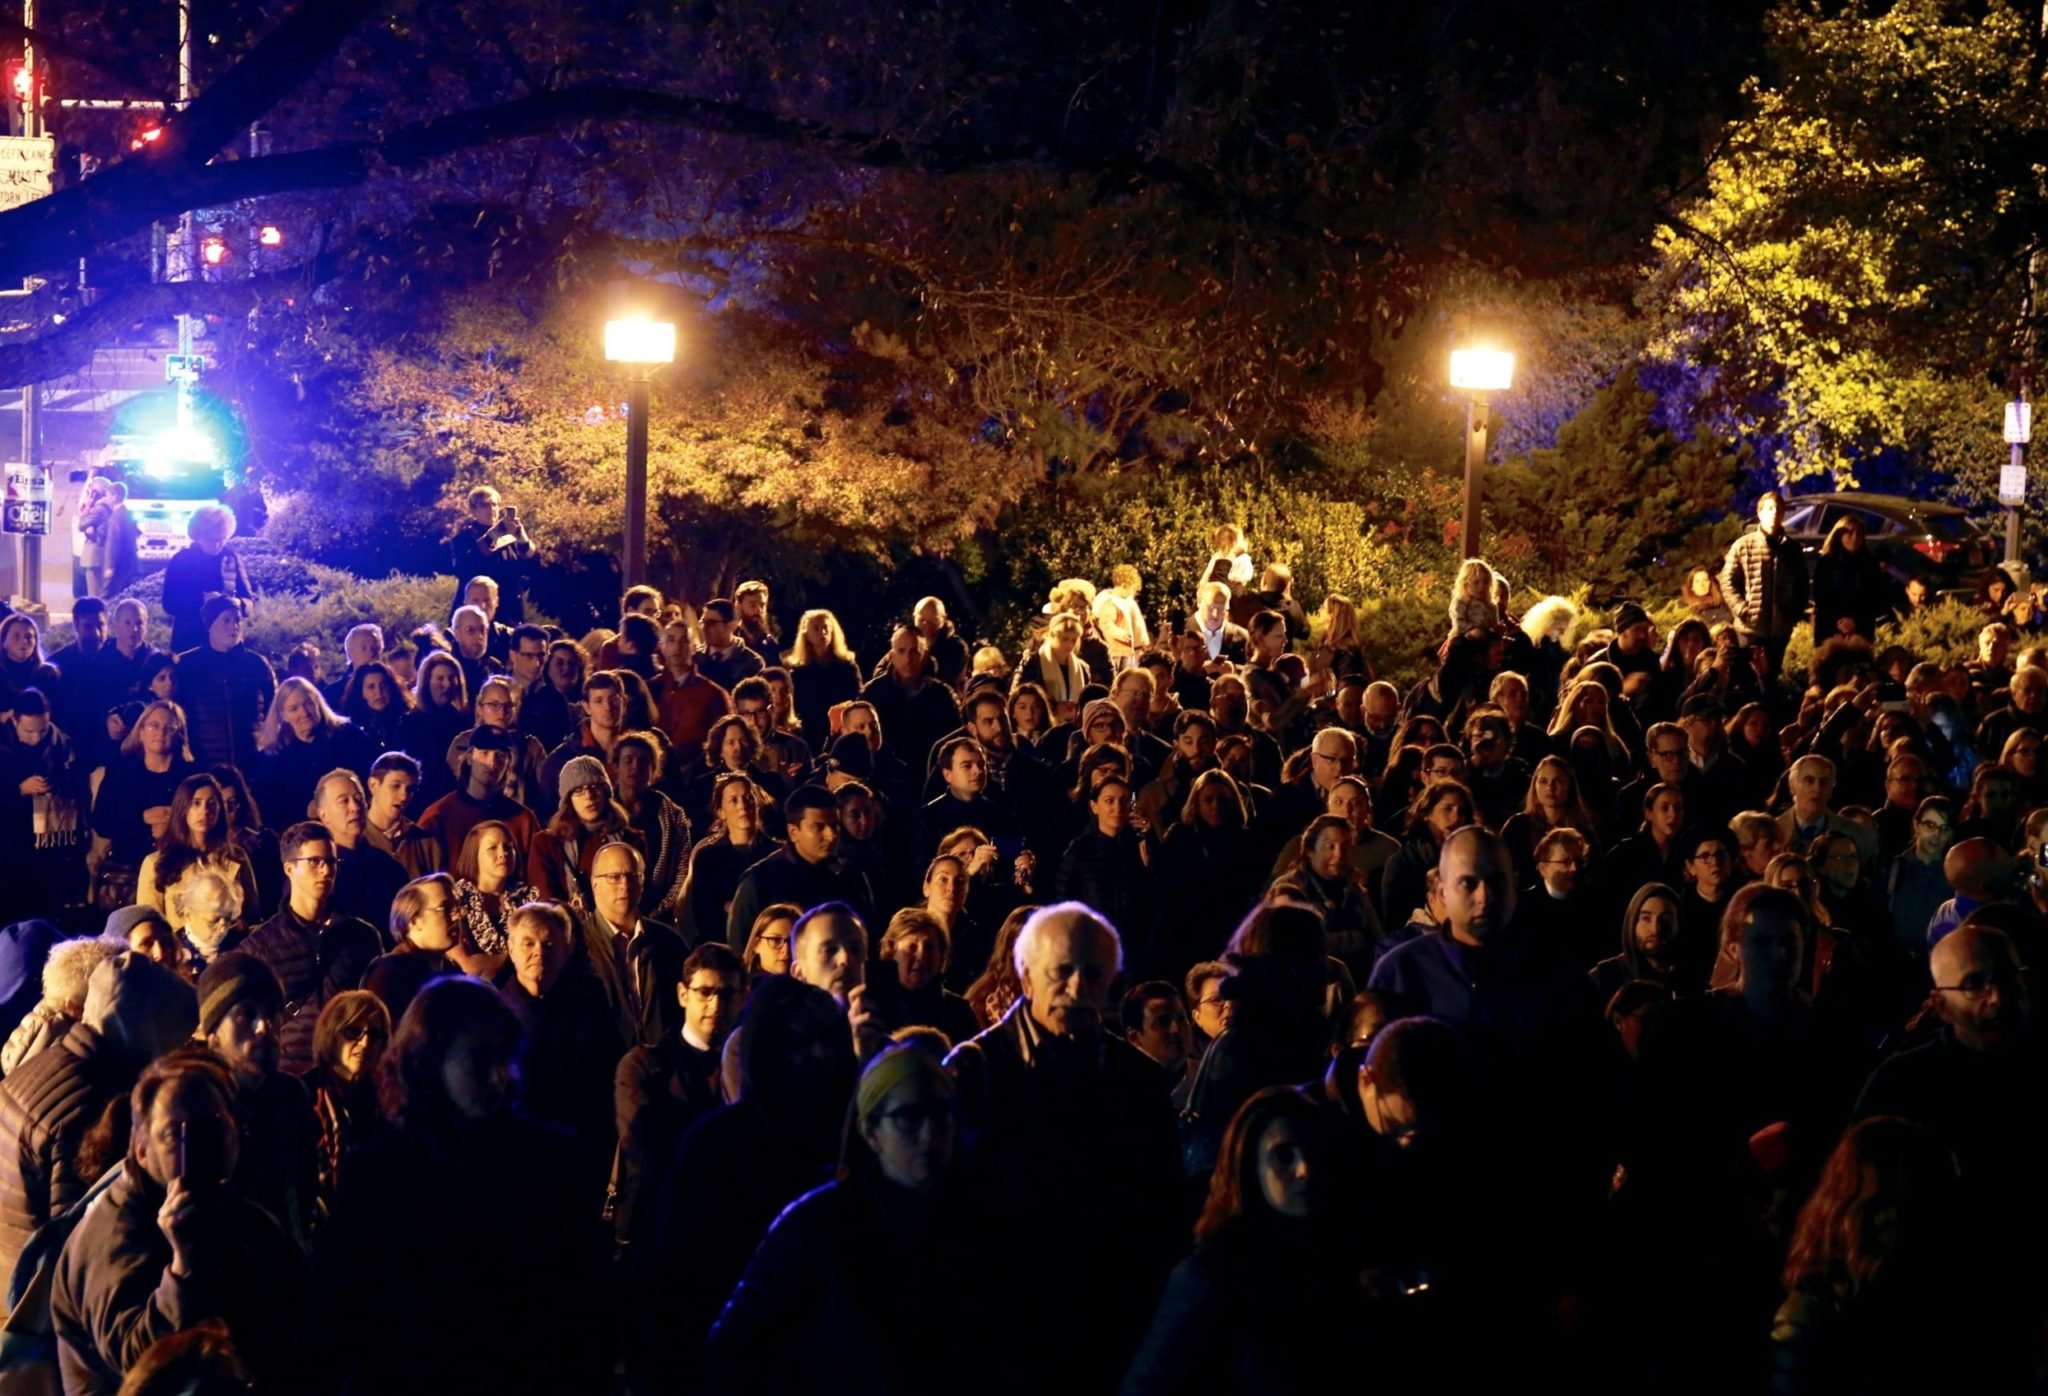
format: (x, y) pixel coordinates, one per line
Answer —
(27, 506)
(2012, 484)
(27, 164)
(184, 368)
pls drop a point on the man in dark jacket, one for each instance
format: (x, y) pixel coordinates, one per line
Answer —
(135, 1010)
(225, 688)
(638, 959)
(916, 709)
(573, 1041)
(1764, 580)
(368, 877)
(241, 1007)
(173, 1243)
(314, 951)
(1062, 1118)
(807, 872)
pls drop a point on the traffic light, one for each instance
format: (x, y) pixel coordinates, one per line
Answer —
(21, 82)
(214, 250)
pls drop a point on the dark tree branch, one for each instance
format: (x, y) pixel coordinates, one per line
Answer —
(70, 346)
(134, 193)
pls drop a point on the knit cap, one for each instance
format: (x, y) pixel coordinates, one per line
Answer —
(582, 771)
(236, 977)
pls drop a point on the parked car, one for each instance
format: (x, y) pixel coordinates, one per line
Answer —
(1909, 537)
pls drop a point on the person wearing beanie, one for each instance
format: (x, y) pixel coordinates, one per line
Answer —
(315, 951)
(586, 818)
(892, 1203)
(134, 1010)
(225, 689)
(1634, 647)
(241, 1014)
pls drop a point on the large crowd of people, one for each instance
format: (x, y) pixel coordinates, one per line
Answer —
(1174, 1005)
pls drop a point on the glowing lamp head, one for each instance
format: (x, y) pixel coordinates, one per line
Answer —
(21, 80)
(1482, 370)
(214, 250)
(2019, 423)
(270, 235)
(639, 340)
(149, 135)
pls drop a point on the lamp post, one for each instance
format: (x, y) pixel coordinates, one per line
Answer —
(2012, 484)
(1478, 372)
(641, 343)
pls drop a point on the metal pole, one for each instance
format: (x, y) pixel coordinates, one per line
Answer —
(2012, 512)
(1475, 462)
(636, 477)
(31, 393)
(185, 228)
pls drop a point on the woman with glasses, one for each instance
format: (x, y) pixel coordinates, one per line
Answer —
(497, 706)
(766, 953)
(892, 1209)
(1914, 882)
(348, 1045)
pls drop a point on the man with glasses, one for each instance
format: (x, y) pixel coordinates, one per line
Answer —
(1980, 1083)
(423, 927)
(639, 960)
(1665, 757)
(1498, 778)
(727, 657)
(1711, 860)
(1557, 903)
(1915, 884)
(1332, 755)
(1905, 786)
(662, 1088)
(315, 952)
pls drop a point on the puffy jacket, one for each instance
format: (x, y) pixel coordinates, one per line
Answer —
(134, 1011)
(313, 963)
(1764, 580)
(225, 694)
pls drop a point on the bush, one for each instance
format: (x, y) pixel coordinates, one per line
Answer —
(1944, 633)
(336, 601)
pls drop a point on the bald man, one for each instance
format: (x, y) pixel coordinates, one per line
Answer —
(1973, 868)
(1515, 995)
(1981, 1082)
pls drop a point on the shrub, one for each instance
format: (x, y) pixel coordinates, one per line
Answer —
(1944, 633)
(336, 601)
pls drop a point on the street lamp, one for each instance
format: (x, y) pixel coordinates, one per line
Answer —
(642, 343)
(2012, 481)
(1478, 372)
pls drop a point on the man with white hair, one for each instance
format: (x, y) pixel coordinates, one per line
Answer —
(1811, 780)
(1068, 1123)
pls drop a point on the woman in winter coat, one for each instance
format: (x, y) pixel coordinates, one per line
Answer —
(1206, 873)
(42, 814)
(1106, 865)
(1850, 588)
(302, 739)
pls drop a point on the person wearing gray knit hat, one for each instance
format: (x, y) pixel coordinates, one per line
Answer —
(581, 771)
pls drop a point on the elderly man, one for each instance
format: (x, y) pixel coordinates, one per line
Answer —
(573, 1042)
(637, 958)
(1064, 1119)
(1974, 869)
(368, 877)
(1812, 782)
(2029, 708)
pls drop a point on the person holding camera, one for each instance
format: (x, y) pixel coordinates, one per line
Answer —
(492, 542)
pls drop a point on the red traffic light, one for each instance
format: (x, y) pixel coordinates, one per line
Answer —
(21, 81)
(214, 250)
(270, 235)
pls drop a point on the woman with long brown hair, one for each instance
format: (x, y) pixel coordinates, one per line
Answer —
(1873, 1294)
(1268, 1282)
(197, 836)
(1553, 802)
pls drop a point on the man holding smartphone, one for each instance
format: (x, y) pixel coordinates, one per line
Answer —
(492, 542)
(172, 1243)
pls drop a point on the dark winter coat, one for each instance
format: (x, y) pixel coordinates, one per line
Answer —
(1764, 579)
(225, 694)
(314, 963)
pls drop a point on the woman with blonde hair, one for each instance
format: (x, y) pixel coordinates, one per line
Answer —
(1544, 627)
(302, 739)
(822, 671)
(440, 714)
(1341, 651)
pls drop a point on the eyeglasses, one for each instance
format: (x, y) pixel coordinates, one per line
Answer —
(1711, 855)
(318, 862)
(1933, 826)
(1670, 752)
(779, 942)
(1979, 983)
(615, 877)
(1560, 863)
(356, 1032)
